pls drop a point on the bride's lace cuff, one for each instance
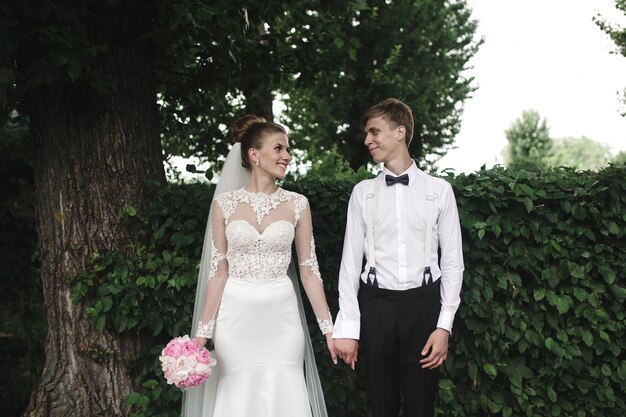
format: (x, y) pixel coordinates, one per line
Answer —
(205, 330)
(326, 326)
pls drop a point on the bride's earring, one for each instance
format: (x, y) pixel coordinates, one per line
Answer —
(257, 162)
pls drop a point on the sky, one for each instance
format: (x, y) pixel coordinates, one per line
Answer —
(546, 55)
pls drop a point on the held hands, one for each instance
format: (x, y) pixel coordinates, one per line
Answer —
(437, 344)
(347, 350)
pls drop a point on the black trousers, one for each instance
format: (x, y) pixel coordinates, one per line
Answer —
(395, 326)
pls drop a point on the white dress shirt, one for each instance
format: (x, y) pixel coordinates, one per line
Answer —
(399, 245)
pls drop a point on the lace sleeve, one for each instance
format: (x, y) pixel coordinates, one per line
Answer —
(216, 257)
(218, 274)
(311, 262)
(309, 268)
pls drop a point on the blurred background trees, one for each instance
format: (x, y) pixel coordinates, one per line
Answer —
(530, 146)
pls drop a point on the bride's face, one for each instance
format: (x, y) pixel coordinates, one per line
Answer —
(274, 155)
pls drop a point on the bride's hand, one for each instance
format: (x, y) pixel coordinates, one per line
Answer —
(331, 347)
(200, 340)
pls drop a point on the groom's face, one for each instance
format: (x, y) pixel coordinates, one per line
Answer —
(383, 139)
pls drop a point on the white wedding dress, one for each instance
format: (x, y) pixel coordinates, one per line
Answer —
(251, 309)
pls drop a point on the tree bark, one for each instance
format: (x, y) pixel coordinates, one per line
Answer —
(94, 149)
(258, 85)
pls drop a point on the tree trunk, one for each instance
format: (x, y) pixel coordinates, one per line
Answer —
(258, 85)
(259, 101)
(93, 152)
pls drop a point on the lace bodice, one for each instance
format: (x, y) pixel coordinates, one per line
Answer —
(254, 256)
(251, 240)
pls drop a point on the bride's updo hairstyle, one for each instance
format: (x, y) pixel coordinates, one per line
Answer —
(251, 131)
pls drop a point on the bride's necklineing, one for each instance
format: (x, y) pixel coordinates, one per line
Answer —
(261, 193)
(262, 203)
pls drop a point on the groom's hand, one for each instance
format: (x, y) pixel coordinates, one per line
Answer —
(436, 348)
(347, 350)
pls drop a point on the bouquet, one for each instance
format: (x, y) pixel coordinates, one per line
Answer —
(185, 362)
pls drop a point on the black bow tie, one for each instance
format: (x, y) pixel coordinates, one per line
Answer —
(402, 179)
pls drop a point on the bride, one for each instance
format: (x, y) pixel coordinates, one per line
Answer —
(245, 300)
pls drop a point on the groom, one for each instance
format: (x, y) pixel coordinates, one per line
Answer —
(401, 306)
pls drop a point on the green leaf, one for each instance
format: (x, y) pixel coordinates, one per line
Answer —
(132, 398)
(613, 228)
(158, 233)
(99, 322)
(580, 294)
(528, 203)
(446, 384)
(151, 383)
(527, 190)
(472, 370)
(562, 305)
(107, 303)
(551, 394)
(604, 335)
(539, 294)
(490, 370)
(606, 371)
(129, 211)
(587, 337)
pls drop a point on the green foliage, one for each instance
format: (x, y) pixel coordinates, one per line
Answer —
(530, 147)
(212, 60)
(620, 158)
(615, 32)
(413, 50)
(541, 326)
(578, 153)
(528, 141)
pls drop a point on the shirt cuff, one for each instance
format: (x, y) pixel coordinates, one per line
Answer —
(347, 330)
(445, 321)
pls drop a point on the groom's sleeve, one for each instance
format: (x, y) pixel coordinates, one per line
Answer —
(348, 322)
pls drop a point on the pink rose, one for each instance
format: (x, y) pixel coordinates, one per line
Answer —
(189, 349)
(173, 350)
(204, 356)
(191, 381)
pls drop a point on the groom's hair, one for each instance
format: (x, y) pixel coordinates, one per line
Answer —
(251, 131)
(393, 111)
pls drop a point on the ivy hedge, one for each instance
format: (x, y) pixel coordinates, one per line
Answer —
(541, 325)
